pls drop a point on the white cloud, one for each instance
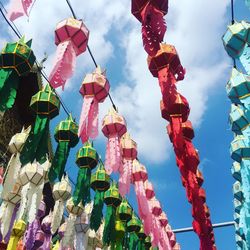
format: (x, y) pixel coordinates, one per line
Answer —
(191, 28)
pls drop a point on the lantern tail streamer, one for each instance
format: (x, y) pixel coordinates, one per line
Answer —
(64, 65)
(30, 234)
(96, 214)
(81, 241)
(133, 241)
(109, 227)
(113, 154)
(33, 142)
(244, 58)
(6, 219)
(59, 161)
(24, 205)
(155, 232)
(57, 215)
(82, 188)
(125, 177)
(68, 239)
(93, 119)
(178, 141)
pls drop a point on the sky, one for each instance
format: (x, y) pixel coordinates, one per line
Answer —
(195, 28)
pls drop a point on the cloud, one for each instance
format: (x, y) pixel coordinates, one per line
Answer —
(195, 34)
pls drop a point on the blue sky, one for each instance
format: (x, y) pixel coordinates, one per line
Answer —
(195, 28)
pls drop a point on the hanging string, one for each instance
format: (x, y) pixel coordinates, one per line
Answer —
(232, 22)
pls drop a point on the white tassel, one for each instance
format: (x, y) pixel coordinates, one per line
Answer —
(82, 241)
(24, 202)
(57, 215)
(68, 239)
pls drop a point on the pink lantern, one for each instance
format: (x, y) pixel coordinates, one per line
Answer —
(163, 219)
(113, 127)
(155, 207)
(129, 153)
(171, 235)
(94, 89)
(71, 37)
(149, 189)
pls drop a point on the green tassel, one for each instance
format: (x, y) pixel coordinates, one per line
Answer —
(96, 215)
(141, 245)
(133, 241)
(35, 140)
(82, 188)
(8, 88)
(109, 227)
(59, 161)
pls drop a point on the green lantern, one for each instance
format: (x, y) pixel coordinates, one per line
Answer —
(119, 234)
(86, 159)
(134, 225)
(100, 183)
(46, 106)
(16, 60)
(125, 211)
(112, 199)
(142, 236)
(147, 243)
(66, 134)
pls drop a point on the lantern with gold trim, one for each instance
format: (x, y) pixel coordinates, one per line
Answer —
(119, 233)
(133, 227)
(16, 60)
(100, 182)
(147, 243)
(112, 199)
(86, 159)
(46, 106)
(125, 211)
(66, 136)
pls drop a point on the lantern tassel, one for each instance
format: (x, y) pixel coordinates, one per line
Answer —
(155, 232)
(57, 215)
(109, 227)
(125, 177)
(59, 161)
(93, 119)
(133, 241)
(64, 64)
(30, 235)
(82, 188)
(81, 241)
(8, 88)
(178, 141)
(96, 214)
(68, 239)
(113, 154)
(36, 145)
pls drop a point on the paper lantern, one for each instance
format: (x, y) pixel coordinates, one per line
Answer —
(61, 193)
(236, 171)
(237, 190)
(129, 153)
(148, 243)
(240, 148)
(71, 38)
(46, 105)
(66, 136)
(17, 59)
(113, 127)
(149, 189)
(163, 219)
(125, 211)
(155, 207)
(141, 234)
(133, 225)
(95, 88)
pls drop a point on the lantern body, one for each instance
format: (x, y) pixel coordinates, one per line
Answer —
(134, 225)
(240, 148)
(125, 211)
(139, 172)
(82, 223)
(237, 190)
(17, 141)
(62, 190)
(75, 210)
(45, 102)
(14, 196)
(141, 234)
(236, 171)
(156, 207)
(149, 189)
(100, 180)
(74, 30)
(87, 156)
(129, 147)
(163, 219)
(112, 196)
(95, 84)
(18, 56)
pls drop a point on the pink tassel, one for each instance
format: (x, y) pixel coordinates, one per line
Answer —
(155, 232)
(125, 177)
(64, 64)
(164, 241)
(19, 8)
(82, 132)
(93, 119)
(113, 154)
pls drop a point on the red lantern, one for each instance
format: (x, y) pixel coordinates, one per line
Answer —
(113, 127)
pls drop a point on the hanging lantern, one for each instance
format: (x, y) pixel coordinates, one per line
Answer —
(94, 89)
(34, 237)
(100, 183)
(113, 127)
(46, 106)
(125, 211)
(17, 232)
(163, 219)
(129, 153)
(155, 207)
(61, 193)
(66, 136)
(12, 171)
(150, 14)
(134, 225)
(74, 211)
(236, 171)
(140, 175)
(86, 160)
(119, 233)
(236, 42)
(112, 199)
(148, 243)
(71, 37)
(8, 211)
(149, 189)
(17, 59)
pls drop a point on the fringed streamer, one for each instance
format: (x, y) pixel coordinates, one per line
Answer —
(81, 241)
(178, 140)
(26, 195)
(153, 29)
(64, 64)
(113, 154)
(244, 59)
(59, 161)
(143, 206)
(19, 8)
(109, 227)
(125, 177)
(57, 215)
(133, 241)
(36, 145)
(88, 127)
(68, 239)
(8, 88)
(192, 161)
(82, 188)
(141, 245)
(11, 176)
(30, 235)
(96, 214)
(47, 241)
(155, 232)
(164, 240)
